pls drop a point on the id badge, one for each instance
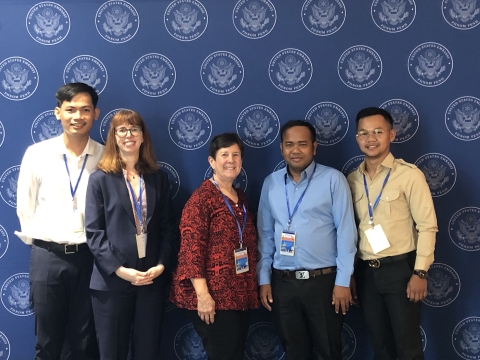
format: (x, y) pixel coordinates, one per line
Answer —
(287, 243)
(75, 222)
(241, 260)
(377, 239)
(141, 245)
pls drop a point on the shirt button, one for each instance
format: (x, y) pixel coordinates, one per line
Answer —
(386, 198)
(236, 205)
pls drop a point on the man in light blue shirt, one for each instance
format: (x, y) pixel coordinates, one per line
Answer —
(307, 245)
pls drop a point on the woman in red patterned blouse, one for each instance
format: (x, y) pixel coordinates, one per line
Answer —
(214, 278)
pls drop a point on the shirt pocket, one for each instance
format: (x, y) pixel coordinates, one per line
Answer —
(388, 199)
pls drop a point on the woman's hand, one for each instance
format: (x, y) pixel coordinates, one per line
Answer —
(206, 308)
(155, 271)
(135, 277)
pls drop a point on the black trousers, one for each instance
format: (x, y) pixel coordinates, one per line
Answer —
(393, 321)
(59, 291)
(224, 339)
(305, 318)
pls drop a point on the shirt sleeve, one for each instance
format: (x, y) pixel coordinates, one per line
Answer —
(266, 237)
(344, 220)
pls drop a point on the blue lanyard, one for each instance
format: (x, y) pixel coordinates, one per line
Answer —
(72, 190)
(370, 209)
(290, 215)
(241, 229)
(138, 205)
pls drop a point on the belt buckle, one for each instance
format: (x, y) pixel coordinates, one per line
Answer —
(71, 252)
(375, 263)
(302, 275)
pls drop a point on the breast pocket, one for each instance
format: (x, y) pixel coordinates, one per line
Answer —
(388, 199)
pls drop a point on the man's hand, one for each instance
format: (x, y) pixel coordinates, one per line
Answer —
(266, 296)
(341, 298)
(417, 288)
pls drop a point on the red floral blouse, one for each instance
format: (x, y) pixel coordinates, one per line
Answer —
(209, 236)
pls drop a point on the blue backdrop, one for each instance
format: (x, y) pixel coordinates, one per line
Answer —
(194, 69)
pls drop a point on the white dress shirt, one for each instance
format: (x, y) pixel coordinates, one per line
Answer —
(44, 199)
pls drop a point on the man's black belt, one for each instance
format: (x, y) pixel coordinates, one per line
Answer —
(375, 263)
(305, 274)
(62, 248)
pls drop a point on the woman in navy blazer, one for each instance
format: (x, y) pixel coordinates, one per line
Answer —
(130, 231)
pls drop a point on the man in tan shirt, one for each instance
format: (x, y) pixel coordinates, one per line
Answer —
(396, 227)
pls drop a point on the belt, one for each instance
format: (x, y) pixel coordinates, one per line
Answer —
(305, 274)
(63, 248)
(375, 263)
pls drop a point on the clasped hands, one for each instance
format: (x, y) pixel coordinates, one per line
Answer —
(140, 278)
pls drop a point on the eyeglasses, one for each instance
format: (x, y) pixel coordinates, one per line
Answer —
(376, 133)
(134, 131)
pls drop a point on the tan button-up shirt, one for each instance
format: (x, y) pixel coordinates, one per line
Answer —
(405, 210)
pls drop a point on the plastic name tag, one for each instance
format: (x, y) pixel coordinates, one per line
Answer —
(241, 260)
(141, 245)
(377, 239)
(75, 222)
(287, 243)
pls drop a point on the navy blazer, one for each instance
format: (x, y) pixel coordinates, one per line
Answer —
(110, 228)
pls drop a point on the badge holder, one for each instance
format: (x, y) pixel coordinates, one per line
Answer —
(241, 260)
(377, 239)
(141, 245)
(287, 247)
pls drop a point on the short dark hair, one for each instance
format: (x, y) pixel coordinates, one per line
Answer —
(223, 141)
(372, 111)
(292, 123)
(68, 91)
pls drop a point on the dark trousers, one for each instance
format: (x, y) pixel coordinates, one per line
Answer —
(224, 339)
(305, 318)
(61, 299)
(136, 315)
(393, 321)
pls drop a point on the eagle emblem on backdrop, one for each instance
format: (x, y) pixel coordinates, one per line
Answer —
(190, 128)
(192, 347)
(117, 22)
(430, 65)
(471, 339)
(48, 23)
(326, 124)
(186, 19)
(400, 120)
(464, 10)
(393, 12)
(222, 73)
(16, 79)
(86, 73)
(438, 285)
(50, 128)
(153, 75)
(254, 17)
(435, 174)
(469, 229)
(323, 14)
(264, 344)
(290, 70)
(359, 68)
(257, 126)
(20, 295)
(12, 188)
(467, 118)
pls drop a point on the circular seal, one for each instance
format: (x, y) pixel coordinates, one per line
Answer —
(258, 125)
(188, 345)
(263, 342)
(16, 295)
(464, 228)
(393, 16)
(240, 182)
(424, 338)
(430, 64)
(439, 171)
(222, 72)
(461, 15)
(254, 19)
(3, 241)
(190, 128)
(290, 70)
(20, 78)
(2, 133)
(88, 70)
(462, 118)
(465, 338)
(282, 164)
(117, 21)
(48, 23)
(105, 124)
(154, 75)
(330, 121)
(359, 67)
(169, 306)
(173, 177)
(46, 126)
(405, 119)
(443, 285)
(324, 17)
(8, 185)
(4, 347)
(349, 342)
(352, 164)
(186, 20)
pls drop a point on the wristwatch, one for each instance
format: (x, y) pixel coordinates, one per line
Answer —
(422, 274)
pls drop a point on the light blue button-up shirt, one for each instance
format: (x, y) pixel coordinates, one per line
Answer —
(324, 223)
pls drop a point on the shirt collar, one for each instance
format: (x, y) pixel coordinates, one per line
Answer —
(386, 163)
(305, 173)
(62, 149)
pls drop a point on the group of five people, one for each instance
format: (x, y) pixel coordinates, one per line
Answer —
(101, 219)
